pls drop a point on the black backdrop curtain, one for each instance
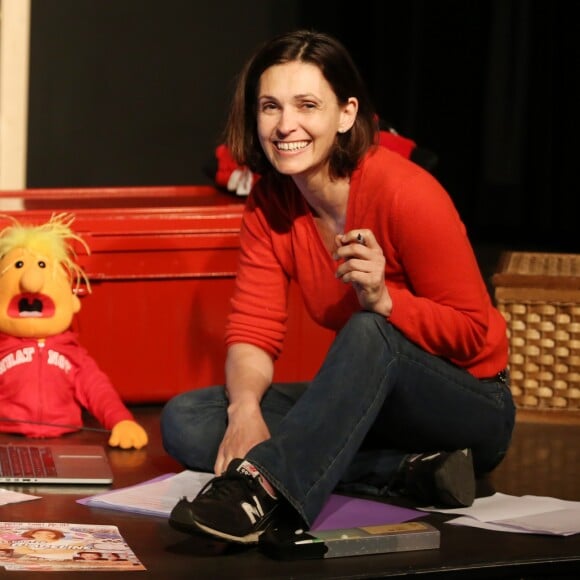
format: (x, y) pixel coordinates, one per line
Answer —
(490, 86)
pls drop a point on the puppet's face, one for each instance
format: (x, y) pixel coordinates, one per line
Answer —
(36, 297)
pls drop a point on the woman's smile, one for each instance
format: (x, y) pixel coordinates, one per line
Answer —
(291, 145)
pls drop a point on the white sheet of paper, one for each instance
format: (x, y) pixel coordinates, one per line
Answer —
(156, 497)
(525, 514)
(471, 523)
(8, 496)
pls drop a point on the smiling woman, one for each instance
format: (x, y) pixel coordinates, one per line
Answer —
(382, 258)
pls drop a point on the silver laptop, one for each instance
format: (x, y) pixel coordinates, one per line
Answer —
(62, 463)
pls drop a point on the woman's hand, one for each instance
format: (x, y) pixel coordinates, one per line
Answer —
(249, 372)
(246, 428)
(362, 264)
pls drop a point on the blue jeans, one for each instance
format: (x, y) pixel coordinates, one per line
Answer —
(376, 398)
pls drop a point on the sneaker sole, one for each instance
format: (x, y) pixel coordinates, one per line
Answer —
(197, 528)
(455, 480)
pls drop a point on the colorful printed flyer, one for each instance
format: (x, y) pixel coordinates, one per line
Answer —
(36, 546)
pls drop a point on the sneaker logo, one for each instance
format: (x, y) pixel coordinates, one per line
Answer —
(246, 468)
(254, 512)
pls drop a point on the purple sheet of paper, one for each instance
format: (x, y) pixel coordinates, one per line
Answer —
(342, 512)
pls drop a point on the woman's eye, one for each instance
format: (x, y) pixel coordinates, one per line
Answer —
(307, 106)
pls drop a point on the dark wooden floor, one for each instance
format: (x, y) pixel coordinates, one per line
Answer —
(543, 460)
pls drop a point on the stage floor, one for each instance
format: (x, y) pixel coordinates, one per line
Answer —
(543, 460)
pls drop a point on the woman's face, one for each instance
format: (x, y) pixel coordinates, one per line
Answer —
(298, 118)
(90, 555)
(45, 535)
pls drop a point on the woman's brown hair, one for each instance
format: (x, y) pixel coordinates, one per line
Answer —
(57, 534)
(337, 67)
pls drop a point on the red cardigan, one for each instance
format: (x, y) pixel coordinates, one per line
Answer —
(440, 300)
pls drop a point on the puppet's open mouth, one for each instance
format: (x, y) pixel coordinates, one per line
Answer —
(31, 306)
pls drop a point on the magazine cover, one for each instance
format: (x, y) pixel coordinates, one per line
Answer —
(60, 546)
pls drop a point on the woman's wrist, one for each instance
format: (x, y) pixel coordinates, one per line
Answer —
(384, 306)
(243, 405)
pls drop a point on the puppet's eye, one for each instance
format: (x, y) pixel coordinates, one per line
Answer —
(42, 264)
(19, 264)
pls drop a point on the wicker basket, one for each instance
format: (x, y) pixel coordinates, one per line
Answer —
(539, 296)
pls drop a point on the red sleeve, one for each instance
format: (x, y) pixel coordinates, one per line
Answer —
(445, 308)
(97, 394)
(259, 305)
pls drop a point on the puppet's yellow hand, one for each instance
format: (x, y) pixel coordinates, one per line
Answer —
(127, 434)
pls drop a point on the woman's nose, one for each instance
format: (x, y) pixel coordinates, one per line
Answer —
(286, 122)
(32, 280)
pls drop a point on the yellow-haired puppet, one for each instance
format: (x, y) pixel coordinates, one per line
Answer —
(46, 376)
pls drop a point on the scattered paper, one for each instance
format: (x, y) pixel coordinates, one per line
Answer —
(529, 514)
(7, 496)
(36, 546)
(158, 496)
(155, 497)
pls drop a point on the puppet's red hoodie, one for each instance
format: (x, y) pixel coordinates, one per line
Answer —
(49, 381)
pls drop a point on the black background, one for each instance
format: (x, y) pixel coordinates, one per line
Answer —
(134, 92)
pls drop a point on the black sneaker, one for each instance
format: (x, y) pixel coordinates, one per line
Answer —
(443, 479)
(234, 506)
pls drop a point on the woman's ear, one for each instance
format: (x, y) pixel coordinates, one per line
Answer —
(348, 115)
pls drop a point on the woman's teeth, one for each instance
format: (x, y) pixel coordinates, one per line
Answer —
(294, 146)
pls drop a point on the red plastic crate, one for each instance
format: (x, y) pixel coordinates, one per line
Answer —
(162, 270)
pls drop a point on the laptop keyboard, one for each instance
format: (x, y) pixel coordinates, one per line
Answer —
(26, 461)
